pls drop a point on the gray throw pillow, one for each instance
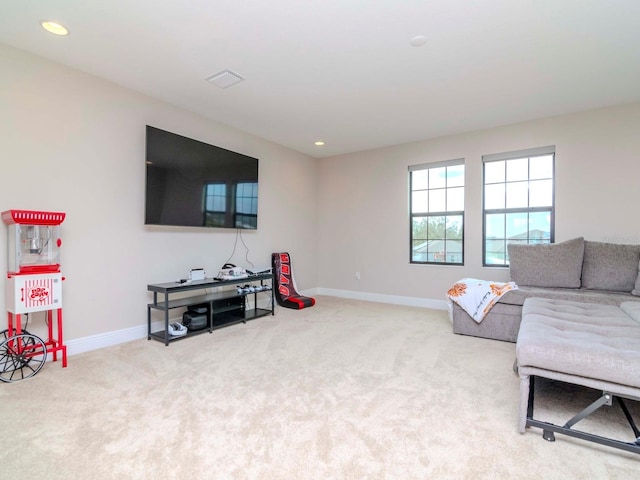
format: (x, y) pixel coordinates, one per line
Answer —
(636, 290)
(610, 266)
(547, 265)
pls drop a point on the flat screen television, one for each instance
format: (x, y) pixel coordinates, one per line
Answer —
(193, 184)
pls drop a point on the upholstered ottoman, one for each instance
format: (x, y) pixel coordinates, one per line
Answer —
(597, 346)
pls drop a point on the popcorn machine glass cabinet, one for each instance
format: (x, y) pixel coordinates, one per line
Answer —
(33, 241)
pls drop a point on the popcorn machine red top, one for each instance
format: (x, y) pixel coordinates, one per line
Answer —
(33, 241)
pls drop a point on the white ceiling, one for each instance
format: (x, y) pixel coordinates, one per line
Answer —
(344, 71)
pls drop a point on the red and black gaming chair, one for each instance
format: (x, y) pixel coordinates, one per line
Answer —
(285, 291)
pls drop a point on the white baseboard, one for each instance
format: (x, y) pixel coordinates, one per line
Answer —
(108, 339)
(378, 297)
(94, 342)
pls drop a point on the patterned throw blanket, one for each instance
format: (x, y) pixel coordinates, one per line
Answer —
(476, 297)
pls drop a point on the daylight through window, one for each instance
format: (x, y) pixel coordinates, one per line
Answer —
(518, 201)
(436, 208)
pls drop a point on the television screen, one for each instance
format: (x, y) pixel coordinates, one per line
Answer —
(193, 184)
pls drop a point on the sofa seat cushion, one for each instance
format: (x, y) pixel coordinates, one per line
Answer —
(610, 266)
(632, 309)
(518, 297)
(591, 341)
(547, 265)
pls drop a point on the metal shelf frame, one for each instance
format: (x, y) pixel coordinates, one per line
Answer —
(221, 313)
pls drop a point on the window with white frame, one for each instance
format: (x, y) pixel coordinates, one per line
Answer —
(436, 206)
(518, 201)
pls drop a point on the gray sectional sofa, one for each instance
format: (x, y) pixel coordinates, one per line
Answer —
(575, 270)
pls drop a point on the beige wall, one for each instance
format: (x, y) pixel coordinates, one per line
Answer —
(74, 143)
(363, 209)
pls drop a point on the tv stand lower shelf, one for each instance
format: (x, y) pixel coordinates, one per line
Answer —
(223, 308)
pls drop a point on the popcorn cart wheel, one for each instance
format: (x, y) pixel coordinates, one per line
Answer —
(21, 355)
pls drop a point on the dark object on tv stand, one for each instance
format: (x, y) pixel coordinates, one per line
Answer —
(194, 321)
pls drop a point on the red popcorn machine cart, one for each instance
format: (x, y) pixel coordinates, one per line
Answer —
(34, 284)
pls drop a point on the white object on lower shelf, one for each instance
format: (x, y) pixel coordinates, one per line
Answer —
(177, 329)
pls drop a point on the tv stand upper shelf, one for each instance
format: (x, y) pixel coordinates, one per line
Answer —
(225, 307)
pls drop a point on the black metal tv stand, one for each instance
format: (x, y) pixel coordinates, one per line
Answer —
(224, 307)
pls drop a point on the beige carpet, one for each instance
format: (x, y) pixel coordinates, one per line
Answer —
(344, 390)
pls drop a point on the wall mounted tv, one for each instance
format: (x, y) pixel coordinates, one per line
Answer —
(193, 184)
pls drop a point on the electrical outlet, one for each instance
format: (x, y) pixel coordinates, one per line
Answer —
(357, 275)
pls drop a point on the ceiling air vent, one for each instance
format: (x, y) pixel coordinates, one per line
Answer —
(225, 78)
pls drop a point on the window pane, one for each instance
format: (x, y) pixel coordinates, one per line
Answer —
(420, 180)
(420, 201)
(215, 197)
(437, 252)
(436, 228)
(218, 204)
(541, 193)
(216, 189)
(455, 199)
(454, 227)
(214, 219)
(494, 172)
(455, 176)
(419, 251)
(540, 227)
(517, 225)
(541, 167)
(437, 200)
(494, 196)
(494, 225)
(517, 194)
(437, 177)
(453, 251)
(517, 169)
(419, 229)
(495, 252)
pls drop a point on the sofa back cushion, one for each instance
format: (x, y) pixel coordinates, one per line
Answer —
(547, 265)
(610, 266)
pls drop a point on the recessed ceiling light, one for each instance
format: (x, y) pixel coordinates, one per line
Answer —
(55, 28)
(418, 40)
(319, 143)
